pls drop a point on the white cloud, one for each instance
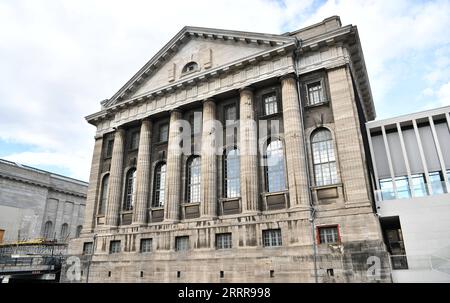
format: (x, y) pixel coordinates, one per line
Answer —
(443, 94)
(58, 59)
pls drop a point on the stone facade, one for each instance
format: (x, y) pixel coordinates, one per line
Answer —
(280, 88)
(30, 198)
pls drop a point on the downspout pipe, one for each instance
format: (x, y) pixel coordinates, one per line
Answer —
(312, 210)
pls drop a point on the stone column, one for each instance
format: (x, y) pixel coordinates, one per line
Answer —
(208, 206)
(293, 137)
(115, 179)
(248, 152)
(93, 188)
(172, 197)
(143, 173)
(350, 150)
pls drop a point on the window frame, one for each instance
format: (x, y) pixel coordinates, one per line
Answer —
(189, 184)
(109, 148)
(89, 251)
(269, 93)
(115, 246)
(278, 239)
(157, 173)
(321, 152)
(222, 243)
(225, 174)
(64, 232)
(101, 208)
(186, 71)
(160, 127)
(129, 205)
(186, 245)
(278, 172)
(323, 83)
(148, 247)
(329, 226)
(134, 139)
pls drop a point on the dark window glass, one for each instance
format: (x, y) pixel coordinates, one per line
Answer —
(195, 121)
(79, 229)
(163, 132)
(328, 235)
(159, 184)
(323, 158)
(193, 179)
(402, 185)
(315, 93)
(114, 247)
(230, 113)
(88, 248)
(232, 184)
(130, 189)
(272, 237)
(190, 67)
(134, 140)
(270, 104)
(274, 166)
(109, 148)
(182, 243)
(103, 195)
(223, 241)
(64, 234)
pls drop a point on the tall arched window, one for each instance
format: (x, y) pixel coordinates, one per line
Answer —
(64, 231)
(193, 179)
(103, 195)
(274, 167)
(231, 173)
(159, 185)
(78, 233)
(130, 189)
(48, 230)
(323, 157)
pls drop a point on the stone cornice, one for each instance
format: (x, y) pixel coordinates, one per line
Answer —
(41, 184)
(196, 78)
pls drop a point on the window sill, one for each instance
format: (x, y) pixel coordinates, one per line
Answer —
(161, 143)
(326, 186)
(275, 193)
(326, 102)
(157, 207)
(266, 117)
(190, 203)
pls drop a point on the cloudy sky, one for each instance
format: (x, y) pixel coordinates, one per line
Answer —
(59, 59)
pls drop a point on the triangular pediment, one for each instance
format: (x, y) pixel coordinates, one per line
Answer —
(203, 49)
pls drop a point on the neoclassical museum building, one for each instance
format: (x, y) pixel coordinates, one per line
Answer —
(236, 157)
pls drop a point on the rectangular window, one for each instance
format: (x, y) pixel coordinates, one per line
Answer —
(315, 93)
(182, 243)
(328, 235)
(163, 132)
(419, 186)
(437, 184)
(146, 245)
(223, 241)
(270, 104)
(88, 248)
(387, 189)
(114, 247)
(134, 140)
(272, 238)
(402, 185)
(109, 148)
(230, 113)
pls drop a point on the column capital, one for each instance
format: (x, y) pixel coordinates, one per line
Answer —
(208, 100)
(288, 76)
(246, 89)
(175, 110)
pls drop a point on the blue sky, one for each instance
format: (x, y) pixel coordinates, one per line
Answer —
(59, 59)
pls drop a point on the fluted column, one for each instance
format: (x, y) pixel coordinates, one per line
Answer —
(115, 179)
(172, 198)
(93, 188)
(293, 136)
(248, 151)
(143, 173)
(208, 206)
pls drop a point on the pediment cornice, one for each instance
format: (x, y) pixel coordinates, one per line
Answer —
(182, 37)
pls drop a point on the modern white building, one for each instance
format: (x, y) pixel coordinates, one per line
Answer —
(411, 171)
